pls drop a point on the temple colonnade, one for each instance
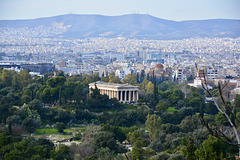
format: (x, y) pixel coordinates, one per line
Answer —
(123, 92)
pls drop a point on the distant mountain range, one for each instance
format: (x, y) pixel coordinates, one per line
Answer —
(140, 26)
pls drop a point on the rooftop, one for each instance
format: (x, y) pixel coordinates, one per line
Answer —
(112, 85)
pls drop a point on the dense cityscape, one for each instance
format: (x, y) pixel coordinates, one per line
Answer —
(130, 56)
(119, 87)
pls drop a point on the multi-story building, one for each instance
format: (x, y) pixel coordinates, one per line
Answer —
(180, 74)
(212, 73)
(120, 73)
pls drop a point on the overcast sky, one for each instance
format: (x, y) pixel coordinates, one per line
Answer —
(167, 9)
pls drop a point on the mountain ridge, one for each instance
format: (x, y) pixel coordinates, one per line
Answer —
(142, 26)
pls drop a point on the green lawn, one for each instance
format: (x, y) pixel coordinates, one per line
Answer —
(47, 131)
(171, 109)
(53, 134)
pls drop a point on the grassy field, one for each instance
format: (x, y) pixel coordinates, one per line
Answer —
(48, 131)
(53, 134)
(171, 109)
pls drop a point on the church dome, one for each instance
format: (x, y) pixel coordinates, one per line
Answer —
(159, 65)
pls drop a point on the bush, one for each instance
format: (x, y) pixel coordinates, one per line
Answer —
(60, 126)
(161, 156)
(176, 156)
(156, 146)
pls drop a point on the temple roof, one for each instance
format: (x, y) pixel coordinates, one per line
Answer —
(112, 85)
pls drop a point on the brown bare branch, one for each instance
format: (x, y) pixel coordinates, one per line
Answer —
(220, 92)
(221, 89)
(126, 156)
(222, 137)
(220, 133)
(227, 106)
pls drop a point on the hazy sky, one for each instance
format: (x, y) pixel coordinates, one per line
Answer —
(167, 9)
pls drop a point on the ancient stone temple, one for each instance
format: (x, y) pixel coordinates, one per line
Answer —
(123, 92)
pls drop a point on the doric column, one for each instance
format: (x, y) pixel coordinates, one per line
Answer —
(129, 96)
(125, 97)
(134, 96)
(117, 95)
(137, 95)
(121, 97)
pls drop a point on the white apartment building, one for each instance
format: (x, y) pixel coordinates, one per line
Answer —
(180, 74)
(212, 73)
(120, 73)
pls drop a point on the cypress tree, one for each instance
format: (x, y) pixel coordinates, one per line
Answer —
(142, 75)
(59, 100)
(191, 148)
(155, 92)
(148, 77)
(10, 126)
(138, 78)
(153, 77)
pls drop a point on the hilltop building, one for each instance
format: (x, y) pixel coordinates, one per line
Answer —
(123, 92)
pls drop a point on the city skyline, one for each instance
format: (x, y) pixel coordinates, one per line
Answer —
(172, 10)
